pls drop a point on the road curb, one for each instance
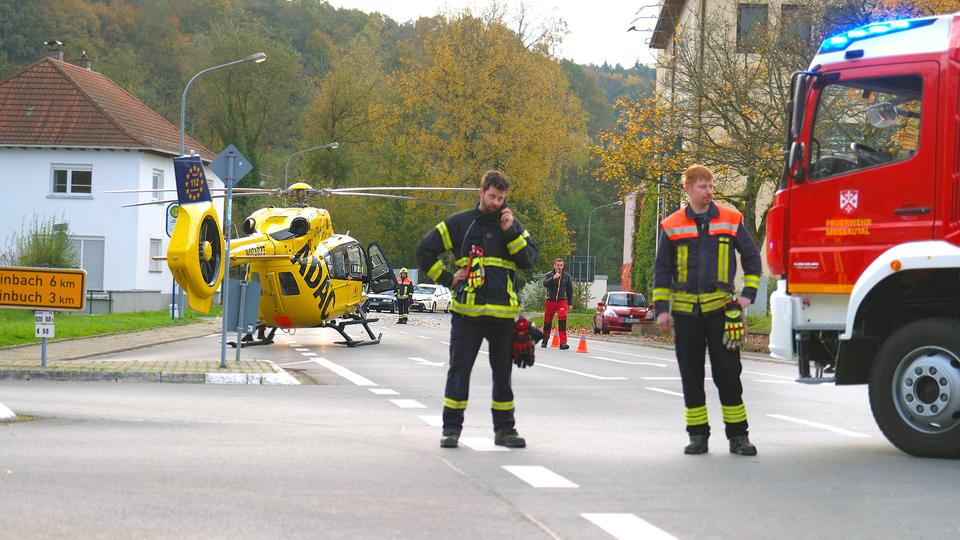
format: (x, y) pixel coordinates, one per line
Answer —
(280, 378)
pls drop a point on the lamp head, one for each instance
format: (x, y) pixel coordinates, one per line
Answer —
(257, 57)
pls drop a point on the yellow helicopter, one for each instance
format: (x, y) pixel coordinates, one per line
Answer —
(310, 275)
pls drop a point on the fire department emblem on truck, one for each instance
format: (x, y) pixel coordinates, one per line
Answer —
(848, 200)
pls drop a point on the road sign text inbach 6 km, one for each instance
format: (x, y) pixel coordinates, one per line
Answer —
(61, 289)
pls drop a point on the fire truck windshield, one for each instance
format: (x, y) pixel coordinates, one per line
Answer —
(865, 123)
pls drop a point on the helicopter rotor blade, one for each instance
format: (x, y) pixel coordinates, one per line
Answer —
(402, 197)
(399, 188)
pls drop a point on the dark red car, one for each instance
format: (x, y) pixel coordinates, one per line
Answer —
(618, 311)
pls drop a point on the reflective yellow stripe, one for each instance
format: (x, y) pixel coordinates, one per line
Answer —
(501, 405)
(684, 302)
(696, 416)
(750, 280)
(518, 243)
(661, 295)
(445, 235)
(454, 404)
(435, 271)
(682, 253)
(513, 294)
(489, 261)
(734, 413)
(723, 260)
(484, 310)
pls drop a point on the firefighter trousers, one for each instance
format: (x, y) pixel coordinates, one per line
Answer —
(403, 308)
(558, 307)
(466, 336)
(693, 336)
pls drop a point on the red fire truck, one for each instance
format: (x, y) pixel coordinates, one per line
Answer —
(864, 233)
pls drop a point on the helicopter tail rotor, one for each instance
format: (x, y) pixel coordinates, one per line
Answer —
(195, 255)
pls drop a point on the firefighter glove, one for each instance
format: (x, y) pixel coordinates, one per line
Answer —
(522, 343)
(733, 327)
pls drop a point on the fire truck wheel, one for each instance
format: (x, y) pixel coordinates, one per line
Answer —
(915, 388)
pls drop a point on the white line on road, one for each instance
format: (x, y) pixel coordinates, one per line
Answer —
(384, 391)
(628, 527)
(648, 357)
(539, 477)
(309, 354)
(424, 337)
(773, 381)
(662, 391)
(408, 404)
(770, 375)
(445, 343)
(302, 349)
(482, 444)
(295, 363)
(670, 378)
(432, 420)
(628, 362)
(6, 413)
(400, 331)
(425, 362)
(834, 429)
(582, 374)
(355, 378)
(483, 352)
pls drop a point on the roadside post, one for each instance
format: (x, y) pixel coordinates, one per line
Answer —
(231, 166)
(173, 210)
(43, 290)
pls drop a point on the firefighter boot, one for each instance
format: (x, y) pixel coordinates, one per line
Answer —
(508, 437)
(741, 446)
(450, 439)
(698, 445)
(564, 346)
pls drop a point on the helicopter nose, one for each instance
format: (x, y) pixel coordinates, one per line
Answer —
(206, 251)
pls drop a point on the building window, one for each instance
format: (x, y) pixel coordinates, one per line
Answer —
(794, 24)
(157, 184)
(751, 26)
(156, 249)
(72, 179)
(89, 250)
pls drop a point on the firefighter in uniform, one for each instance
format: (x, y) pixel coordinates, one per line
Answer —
(694, 280)
(404, 296)
(558, 300)
(489, 245)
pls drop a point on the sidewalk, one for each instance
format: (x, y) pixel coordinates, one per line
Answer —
(76, 360)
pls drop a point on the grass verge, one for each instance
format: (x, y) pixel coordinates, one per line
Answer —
(17, 326)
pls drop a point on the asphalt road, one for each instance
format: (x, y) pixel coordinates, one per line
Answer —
(355, 454)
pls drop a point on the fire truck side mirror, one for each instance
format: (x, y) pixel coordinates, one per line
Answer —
(795, 161)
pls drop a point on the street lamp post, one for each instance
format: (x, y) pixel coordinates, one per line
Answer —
(256, 57)
(590, 223)
(286, 164)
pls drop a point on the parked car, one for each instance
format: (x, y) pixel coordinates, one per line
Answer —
(381, 302)
(618, 311)
(431, 297)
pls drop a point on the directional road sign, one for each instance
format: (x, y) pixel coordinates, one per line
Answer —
(62, 289)
(241, 165)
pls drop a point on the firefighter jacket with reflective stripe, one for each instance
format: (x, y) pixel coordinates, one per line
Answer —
(696, 264)
(404, 288)
(558, 289)
(503, 253)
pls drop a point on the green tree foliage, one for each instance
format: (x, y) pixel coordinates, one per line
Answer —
(45, 243)
(644, 244)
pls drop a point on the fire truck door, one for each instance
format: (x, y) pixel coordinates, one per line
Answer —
(870, 174)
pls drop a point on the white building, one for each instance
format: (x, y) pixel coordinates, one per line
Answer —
(67, 135)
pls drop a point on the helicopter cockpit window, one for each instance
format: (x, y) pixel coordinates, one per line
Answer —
(288, 284)
(865, 123)
(347, 262)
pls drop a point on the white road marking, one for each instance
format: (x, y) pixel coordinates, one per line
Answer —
(628, 362)
(408, 404)
(445, 343)
(425, 362)
(384, 391)
(662, 391)
(308, 354)
(435, 421)
(670, 378)
(834, 429)
(295, 363)
(6, 413)
(648, 357)
(628, 527)
(483, 352)
(401, 332)
(773, 381)
(539, 477)
(482, 444)
(791, 379)
(424, 337)
(302, 349)
(355, 378)
(582, 374)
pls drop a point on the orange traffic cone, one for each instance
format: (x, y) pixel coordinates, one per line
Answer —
(555, 342)
(582, 347)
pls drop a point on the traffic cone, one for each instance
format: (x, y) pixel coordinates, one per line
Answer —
(555, 342)
(582, 347)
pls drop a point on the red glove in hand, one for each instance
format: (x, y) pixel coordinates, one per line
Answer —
(522, 343)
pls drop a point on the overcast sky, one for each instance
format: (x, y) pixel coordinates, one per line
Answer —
(598, 28)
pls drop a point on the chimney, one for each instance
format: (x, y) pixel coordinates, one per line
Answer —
(54, 49)
(84, 62)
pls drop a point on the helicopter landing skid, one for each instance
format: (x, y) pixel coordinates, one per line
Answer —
(349, 341)
(263, 338)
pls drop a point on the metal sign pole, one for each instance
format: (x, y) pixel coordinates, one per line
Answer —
(43, 352)
(243, 296)
(226, 260)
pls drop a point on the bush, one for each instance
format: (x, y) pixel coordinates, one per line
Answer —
(45, 244)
